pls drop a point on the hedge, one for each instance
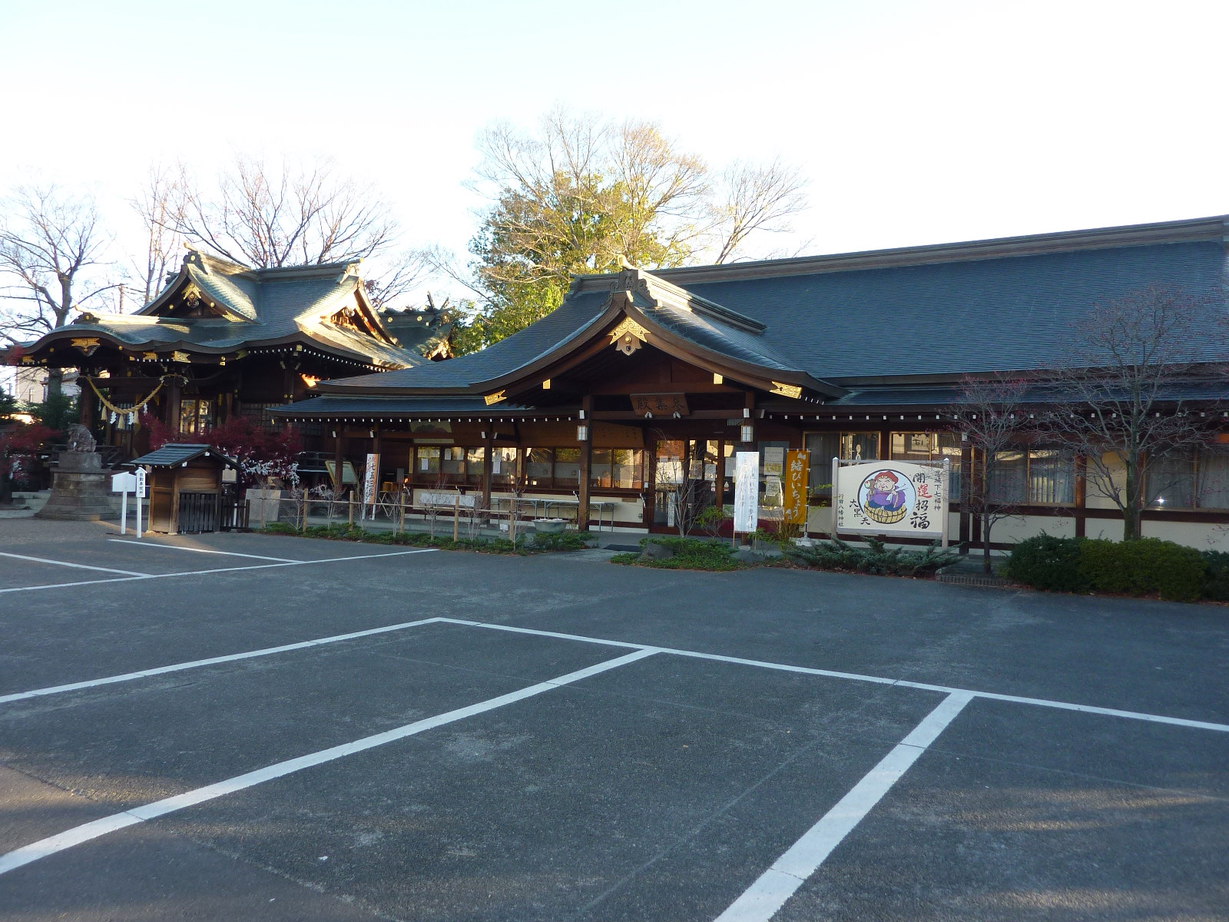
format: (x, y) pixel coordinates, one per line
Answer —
(1146, 566)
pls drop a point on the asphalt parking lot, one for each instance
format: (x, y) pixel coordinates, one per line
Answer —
(261, 727)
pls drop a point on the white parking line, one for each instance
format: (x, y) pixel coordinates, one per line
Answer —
(65, 563)
(760, 901)
(211, 661)
(196, 550)
(85, 833)
(858, 677)
(259, 566)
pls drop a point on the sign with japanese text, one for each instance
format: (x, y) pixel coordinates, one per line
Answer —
(797, 475)
(894, 498)
(660, 404)
(746, 491)
(371, 480)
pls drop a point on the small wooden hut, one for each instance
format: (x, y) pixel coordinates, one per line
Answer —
(185, 487)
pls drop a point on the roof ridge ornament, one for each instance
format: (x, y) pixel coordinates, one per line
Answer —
(628, 336)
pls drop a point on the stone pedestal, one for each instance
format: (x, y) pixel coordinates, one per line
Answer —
(80, 489)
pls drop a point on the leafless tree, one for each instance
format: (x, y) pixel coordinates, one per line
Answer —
(49, 243)
(265, 216)
(757, 199)
(1128, 389)
(52, 246)
(992, 421)
(405, 273)
(157, 205)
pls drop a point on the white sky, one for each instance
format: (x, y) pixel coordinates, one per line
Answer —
(917, 122)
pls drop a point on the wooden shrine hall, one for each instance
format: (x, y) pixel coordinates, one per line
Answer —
(642, 385)
(221, 340)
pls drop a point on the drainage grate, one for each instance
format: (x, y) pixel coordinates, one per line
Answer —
(989, 581)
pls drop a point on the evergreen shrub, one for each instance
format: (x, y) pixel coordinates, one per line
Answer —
(1173, 570)
(688, 554)
(1047, 562)
(1216, 577)
(1141, 567)
(875, 558)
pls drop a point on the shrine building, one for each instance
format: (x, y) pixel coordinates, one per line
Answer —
(221, 340)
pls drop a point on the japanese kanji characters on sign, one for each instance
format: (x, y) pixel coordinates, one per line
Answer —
(894, 498)
(797, 473)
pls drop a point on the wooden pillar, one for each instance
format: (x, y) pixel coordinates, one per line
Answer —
(174, 397)
(650, 485)
(87, 401)
(966, 493)
(586, 463)
(1081, 496)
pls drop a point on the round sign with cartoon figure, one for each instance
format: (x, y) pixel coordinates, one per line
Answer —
(886, 496)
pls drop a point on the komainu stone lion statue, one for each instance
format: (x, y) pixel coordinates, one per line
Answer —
(80, 439)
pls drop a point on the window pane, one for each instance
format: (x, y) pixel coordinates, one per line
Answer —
(1051, 476)
(567, 467)
(1008, 478)
(931, 446)
(428, 460)
(539, 465)
(599, 468)
(627, 468)
(823, 447)
(670, 462)
(475, 464)
(860, 446)
(503, 465)
(1214, 480)
(452, 466)
(1171, 481)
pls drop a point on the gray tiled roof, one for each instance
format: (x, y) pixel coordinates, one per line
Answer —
(263, 307)
(930, 312)
(177, 453)
(1014, 313)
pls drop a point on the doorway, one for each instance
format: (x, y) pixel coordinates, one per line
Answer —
(689, 477)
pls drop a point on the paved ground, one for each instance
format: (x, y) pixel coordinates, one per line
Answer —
(254, 727)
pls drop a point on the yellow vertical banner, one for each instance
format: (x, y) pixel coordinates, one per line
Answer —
(797, 474)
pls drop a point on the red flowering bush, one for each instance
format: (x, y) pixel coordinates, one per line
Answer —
(18, 446)
(261, 454)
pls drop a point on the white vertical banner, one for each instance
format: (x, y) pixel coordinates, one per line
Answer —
(140, 496)
(371, 485)
(746, 491)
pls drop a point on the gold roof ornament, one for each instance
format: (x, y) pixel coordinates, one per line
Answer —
(786, 390)
(628, 336)
(87, 345)
(497, 397)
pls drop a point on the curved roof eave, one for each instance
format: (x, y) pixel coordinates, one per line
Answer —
(669, 342)
(223, 347)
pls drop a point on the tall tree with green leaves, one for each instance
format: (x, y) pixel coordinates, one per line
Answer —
(586, 196)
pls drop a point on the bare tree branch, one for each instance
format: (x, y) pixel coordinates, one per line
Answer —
(265, 216)
(758, 199)
(1126, 387)
(49, 243)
